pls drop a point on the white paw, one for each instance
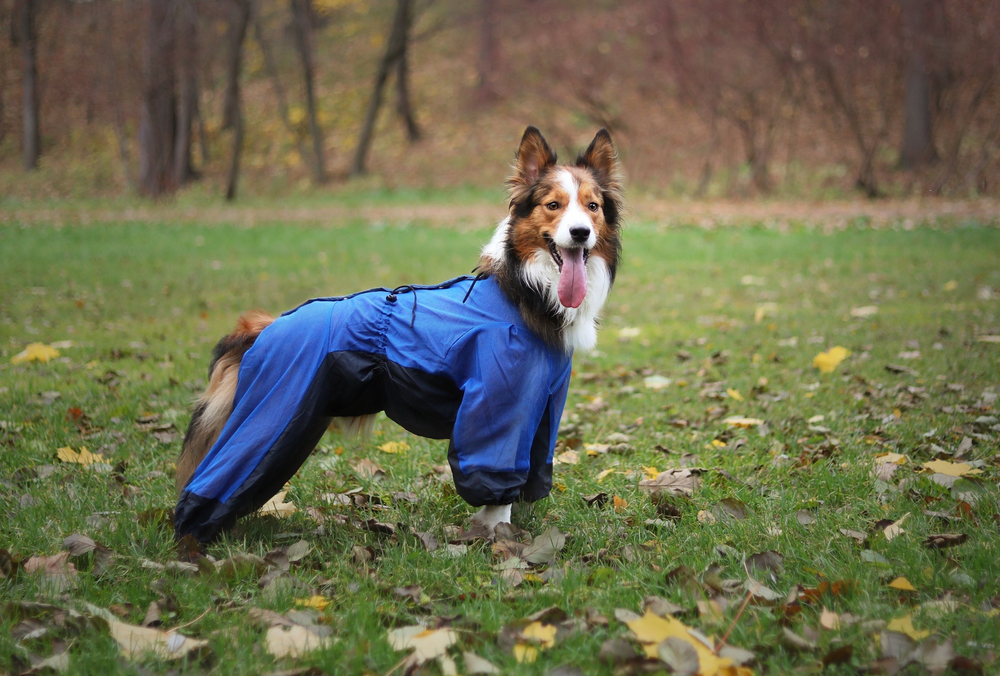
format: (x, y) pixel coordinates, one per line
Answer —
(491, 515)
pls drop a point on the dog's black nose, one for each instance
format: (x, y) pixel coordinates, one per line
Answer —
(579, 233)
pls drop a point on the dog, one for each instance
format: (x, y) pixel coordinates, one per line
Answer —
(483, 360)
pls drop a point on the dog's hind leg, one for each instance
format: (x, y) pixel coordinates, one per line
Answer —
(216, 404)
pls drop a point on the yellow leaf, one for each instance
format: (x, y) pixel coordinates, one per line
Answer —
(950, 285)
(394, 447)
(905, 625)
(620, 504)
(35, 352)
(718, 444)
(902, 584)
(601, 475)
(84, 457)
(651, 629)
(317, 602)
(734, 394)
(950, 468)
(545, 634)
(651, 472)
(890, 458)
(561, 487)
(277, 506)
(525, 654)
(827, 361)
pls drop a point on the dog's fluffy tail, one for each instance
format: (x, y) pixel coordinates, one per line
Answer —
(216, 404)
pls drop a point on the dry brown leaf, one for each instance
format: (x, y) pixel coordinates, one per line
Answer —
(680, 481)
(544, 547)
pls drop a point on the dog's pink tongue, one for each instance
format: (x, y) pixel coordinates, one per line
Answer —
(573, 278)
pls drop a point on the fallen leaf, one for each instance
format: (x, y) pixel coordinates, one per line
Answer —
(895, 528)
(829, 620)
(84, 457)
(680, 481)
(619, 503)
(656, 382)
(367, 469)
(544, 547)
(315, 601)
(955, 469)
(904, 625)
(734, 394)
(566, 458)
(427, 644)
(474, 664)
(394, 447)
(740, 421)
(679, 655)
(827, 361)
(294, 641)
(651, 630)
(136, 642)
(58, 574)
(277, 506)
(944, 540)
(35, 352)
(902, 584)
(864, 311)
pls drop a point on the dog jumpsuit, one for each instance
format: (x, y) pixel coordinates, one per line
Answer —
(453, 361)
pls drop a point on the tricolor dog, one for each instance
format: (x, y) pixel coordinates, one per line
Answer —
(482, 361)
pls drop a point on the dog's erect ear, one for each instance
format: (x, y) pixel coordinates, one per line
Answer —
(533, 156)
(600, 155)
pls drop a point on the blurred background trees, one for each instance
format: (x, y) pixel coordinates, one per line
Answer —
(732, 98)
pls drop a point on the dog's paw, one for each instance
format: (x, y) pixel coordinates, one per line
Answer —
(491, 515)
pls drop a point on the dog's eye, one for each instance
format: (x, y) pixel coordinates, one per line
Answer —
(593, 206)
(552, 206)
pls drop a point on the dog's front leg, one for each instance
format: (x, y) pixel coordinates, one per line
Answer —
(491, 515)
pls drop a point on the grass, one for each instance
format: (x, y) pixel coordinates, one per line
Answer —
(144, 302)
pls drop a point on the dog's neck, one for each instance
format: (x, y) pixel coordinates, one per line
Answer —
(532, 286)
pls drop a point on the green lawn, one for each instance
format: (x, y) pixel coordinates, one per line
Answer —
(732, 317)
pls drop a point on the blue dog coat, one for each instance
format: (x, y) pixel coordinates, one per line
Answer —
(453, 361)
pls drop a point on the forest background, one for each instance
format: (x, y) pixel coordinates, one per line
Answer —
(705, 98)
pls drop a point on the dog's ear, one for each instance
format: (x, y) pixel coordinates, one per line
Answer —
(600, 155)
(533, 156)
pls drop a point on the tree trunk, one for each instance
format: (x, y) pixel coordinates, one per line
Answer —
(157, 117)
(234, 65)
(187, 75)
(403, 105)
(304, 45)
(32, 138)
(486, 62)
(394, 49)
(918, 137)
(241, 19)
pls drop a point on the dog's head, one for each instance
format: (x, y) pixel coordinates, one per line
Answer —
(566, 213)
(561, 237)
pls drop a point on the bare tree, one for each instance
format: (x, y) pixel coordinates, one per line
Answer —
(302, 27)
(28, 36)
(918, 132)
(157, 120)
(240, 10)
(187, 75)
(395, 52)
(486, 61)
